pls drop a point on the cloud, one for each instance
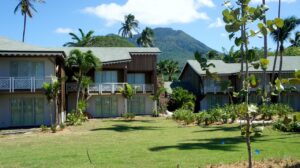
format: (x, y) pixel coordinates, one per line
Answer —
(218, 23)
(62, 30)
(268, 1)
(153, 12)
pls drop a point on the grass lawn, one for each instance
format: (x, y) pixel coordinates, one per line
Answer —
(145, 142)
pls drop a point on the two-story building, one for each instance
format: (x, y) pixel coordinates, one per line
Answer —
(210, 94)
(24, 69)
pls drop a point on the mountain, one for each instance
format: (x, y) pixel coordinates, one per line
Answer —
(110, 40)
(175, 44)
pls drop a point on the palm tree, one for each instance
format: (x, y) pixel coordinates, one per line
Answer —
(296, 41)
(161, 68)
(26, 8)
(277, 45)
(146, 38)
(130, 25)
(83, 41)
(282, 34)
(84, 62)
(171, 68)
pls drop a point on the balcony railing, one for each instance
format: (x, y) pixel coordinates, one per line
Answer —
(101, 88)
(31, 84)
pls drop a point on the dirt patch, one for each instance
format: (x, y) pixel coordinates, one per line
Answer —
(269, 163)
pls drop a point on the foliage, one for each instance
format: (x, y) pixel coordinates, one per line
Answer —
(186, 116)
(181, 98)
(127, 91)
(267, 111)
(292, 51)
(296, 41)
(213, 54)
(169, 68)
(128, 116)
(83, 41)
(160, 106)
(51, 89)
(146, 38)
(53, 128)
(110, 41)
(74, 118)
(287, 125)
(205, 66)
(128, 26)
(62, 126)
(26, 7)
(44, 128)
(84, 62)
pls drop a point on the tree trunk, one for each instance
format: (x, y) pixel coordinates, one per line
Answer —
(125, 105)
(170, 77)
(24, 27)
(277, 48)
(248, 141)
(56, 111)
(265, 56)
(281, 59)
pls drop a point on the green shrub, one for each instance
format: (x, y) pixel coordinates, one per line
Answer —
(282, 110)
(181, 98)
(267, 111)
(127, 91)
(216, 114)
(62, 126)
(230, 110)
(296, 117)
(187, 116)
(75, 118)
(128, 116)
(258, 130)
(44, 128)
(294, 126)
(53, 128)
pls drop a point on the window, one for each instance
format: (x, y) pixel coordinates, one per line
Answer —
(106, 76)
(137, 105)
(214, 100)
(136, 78)
(106, 106)
(27, 111)
(27, 69)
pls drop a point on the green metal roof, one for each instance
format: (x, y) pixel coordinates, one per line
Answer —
(290, 63)
(105, 54)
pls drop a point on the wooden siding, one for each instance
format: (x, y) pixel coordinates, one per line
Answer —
(142, 63)
(191, 77)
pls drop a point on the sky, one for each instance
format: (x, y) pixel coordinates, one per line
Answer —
(201, 19)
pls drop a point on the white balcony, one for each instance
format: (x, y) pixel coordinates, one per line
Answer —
(12, 84)
(101, 88)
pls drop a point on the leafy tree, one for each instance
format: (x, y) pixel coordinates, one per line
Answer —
(213, 54)
(52, 91)
(26, 8)
(110, 41)
(181, 98)
(127, 93)
(281, 35)
(84, 62)
(292, 51)
(171, 68)
(156, 98)
(130, 24)
(237, 20)
(231, 56)
(161, 68)
(146, 38)
(205, 66)
(83, 41)
(296, 41)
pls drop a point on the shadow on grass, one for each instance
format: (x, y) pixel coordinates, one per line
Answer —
(223, 144)
(130, 121)
(126, 128)
(219, 128)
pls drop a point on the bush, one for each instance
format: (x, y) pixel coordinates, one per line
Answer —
(53, 128)
(287, 125)
(128, 116)
(267, 111)
(44, 128)
(282, 110)
(62, 126)
(230, 110)
(76, 118)
(181, 98)
(204, 116)
(296, 117)
(184, 115)
(258, 130)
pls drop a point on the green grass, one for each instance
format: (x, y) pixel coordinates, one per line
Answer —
(145, 142)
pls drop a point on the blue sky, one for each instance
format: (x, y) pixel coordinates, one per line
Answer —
(55, 18)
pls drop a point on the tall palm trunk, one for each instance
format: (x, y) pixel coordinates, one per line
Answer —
(277, 48)
(24, 27)
(77, 95)
(281, 48)
(265, 55)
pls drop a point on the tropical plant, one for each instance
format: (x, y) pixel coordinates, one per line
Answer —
(180, 98)
(296, 41)
(128, 116)
(161, 68)
(156, 98)
(127, 92)
(171, 68)
(146, 38)
(237, 20)
(292, 51)
(231, 56)
(282, 34)
(205, 66)
(75, 118)
(84, 62)
(52, 91)
(184, 115)
(213, 54)
(83, 41)
(26, 7)
(130, 24)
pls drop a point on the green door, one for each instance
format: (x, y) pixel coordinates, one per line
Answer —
(16, 112)
(106, 106)
(39, 111)
(28, 113)
(137, 105)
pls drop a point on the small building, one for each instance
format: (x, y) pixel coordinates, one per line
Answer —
(209, 93)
